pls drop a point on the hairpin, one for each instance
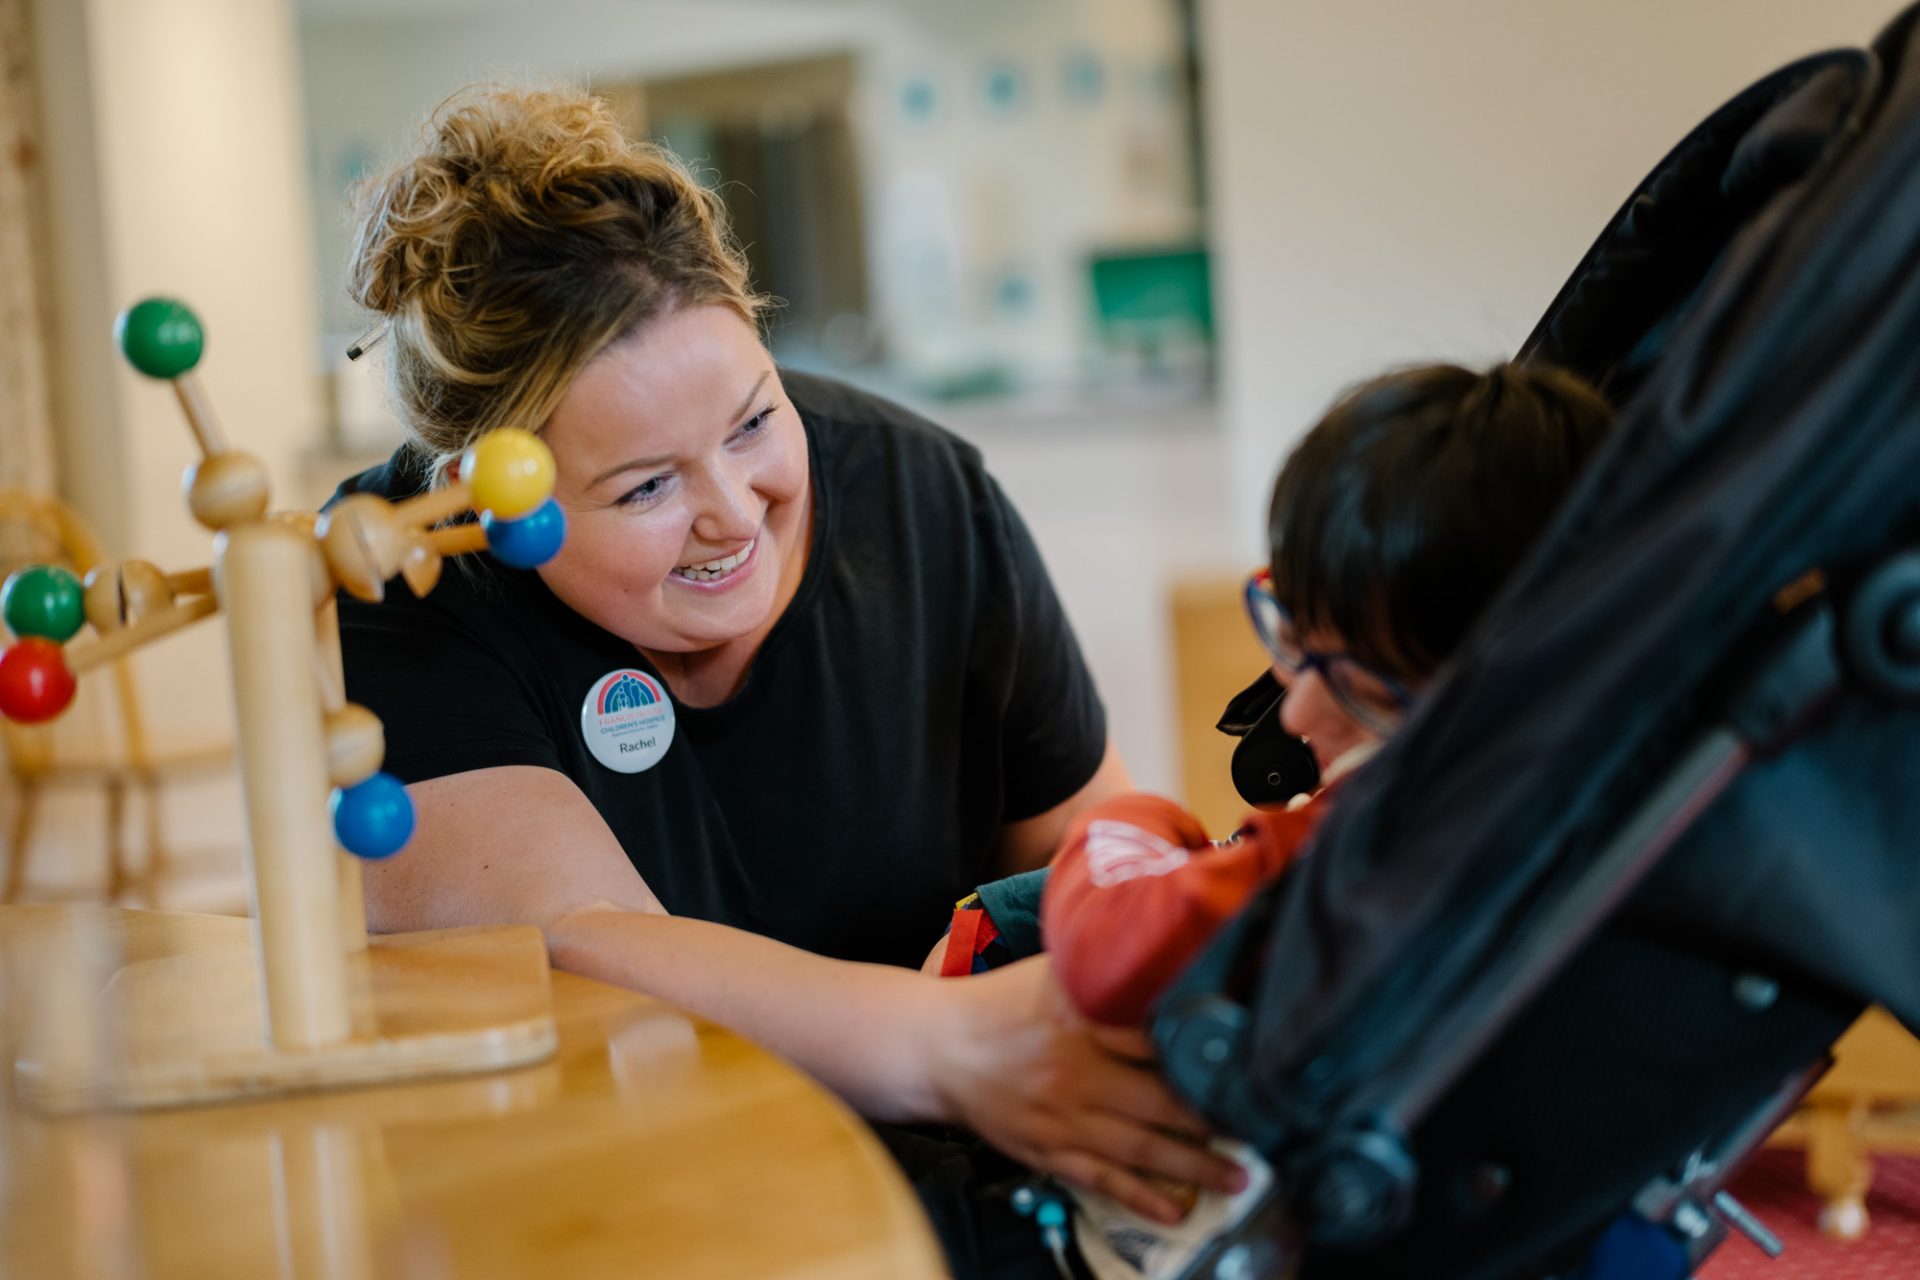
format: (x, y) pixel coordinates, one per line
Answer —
(369, 340)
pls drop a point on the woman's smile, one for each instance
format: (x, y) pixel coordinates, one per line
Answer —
(722, 574)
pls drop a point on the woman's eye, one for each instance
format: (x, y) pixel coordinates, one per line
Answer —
(755, 425)
(644, 492)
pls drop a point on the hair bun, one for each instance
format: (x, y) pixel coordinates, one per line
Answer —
(491, 158)
(524, 234)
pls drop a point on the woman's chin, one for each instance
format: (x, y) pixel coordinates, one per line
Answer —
(697, 630)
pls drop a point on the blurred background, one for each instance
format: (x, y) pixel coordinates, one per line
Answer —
(1128, 247)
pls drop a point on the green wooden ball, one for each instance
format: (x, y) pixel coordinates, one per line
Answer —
(160, 337)
(43, 601)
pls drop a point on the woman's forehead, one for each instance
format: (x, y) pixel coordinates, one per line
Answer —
(667, 388)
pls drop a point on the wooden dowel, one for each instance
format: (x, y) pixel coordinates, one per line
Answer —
(191, 582)
(86, 656)
(353, 904)
(458, 539)
(281, 744)
(320, 1210)
(133, 730)
(432, 508)
(199, 411)
(59, 975)
(333, 667)
(333, 695)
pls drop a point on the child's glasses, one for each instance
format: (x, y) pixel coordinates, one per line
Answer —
(1374, 699)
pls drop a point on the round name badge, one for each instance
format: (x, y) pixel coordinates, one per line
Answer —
(627, 721)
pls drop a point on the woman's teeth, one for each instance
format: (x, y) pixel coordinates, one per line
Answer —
(713, 569)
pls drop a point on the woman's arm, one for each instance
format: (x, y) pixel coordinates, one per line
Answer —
(1001, 1053)
(1030, 843)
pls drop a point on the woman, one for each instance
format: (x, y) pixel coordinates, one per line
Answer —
(856, 692)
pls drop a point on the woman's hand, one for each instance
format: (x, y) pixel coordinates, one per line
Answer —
(1016, 1064)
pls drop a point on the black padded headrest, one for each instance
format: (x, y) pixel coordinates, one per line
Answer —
(1609, 321)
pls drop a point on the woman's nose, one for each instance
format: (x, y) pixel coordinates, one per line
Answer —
(730, 510)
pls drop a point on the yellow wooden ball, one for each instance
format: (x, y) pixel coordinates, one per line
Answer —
(510, 471)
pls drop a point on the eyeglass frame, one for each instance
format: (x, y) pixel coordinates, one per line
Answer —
(1258, 595)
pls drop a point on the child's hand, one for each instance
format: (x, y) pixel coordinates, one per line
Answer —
(931, 965)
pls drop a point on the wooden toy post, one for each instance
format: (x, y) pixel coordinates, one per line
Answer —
(311, 1003)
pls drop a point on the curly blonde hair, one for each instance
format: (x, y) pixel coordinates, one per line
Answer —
(525, 235)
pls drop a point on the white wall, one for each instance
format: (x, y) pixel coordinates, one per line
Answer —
(1395, 180)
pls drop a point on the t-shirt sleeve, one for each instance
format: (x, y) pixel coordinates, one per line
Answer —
(1054, 733)
(449, 701)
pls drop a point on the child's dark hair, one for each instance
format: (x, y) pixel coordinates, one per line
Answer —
(1400, 514)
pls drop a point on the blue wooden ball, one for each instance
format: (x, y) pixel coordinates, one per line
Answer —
(530, 541)
(374, 818)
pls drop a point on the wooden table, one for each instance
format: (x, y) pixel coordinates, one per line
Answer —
(651, 1144)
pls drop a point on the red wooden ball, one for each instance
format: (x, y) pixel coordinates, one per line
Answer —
(35, 684)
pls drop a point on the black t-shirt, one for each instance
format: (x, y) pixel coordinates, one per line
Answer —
(922, 689)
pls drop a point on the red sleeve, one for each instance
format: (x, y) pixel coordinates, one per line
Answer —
(1137, 889)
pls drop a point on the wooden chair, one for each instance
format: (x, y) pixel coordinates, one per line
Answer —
(1215, 657)
(1869, 1102)
(35, 529)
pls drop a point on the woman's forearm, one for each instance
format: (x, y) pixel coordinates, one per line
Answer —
(858, 1028)
(1000, 1052)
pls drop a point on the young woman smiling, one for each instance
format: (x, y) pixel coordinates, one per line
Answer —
(857, 694)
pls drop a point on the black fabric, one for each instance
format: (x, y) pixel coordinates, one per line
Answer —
(922, 690)
(1638, 1052)
(1611, 319)
(965, 1186)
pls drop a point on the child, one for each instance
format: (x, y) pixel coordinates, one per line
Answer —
(1393, 525)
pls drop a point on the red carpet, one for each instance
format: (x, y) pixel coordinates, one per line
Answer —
(1774, 1187)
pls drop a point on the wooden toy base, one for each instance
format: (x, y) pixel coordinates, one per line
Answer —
(189, 1028)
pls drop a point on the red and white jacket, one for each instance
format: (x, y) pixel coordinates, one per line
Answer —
(1137, 889)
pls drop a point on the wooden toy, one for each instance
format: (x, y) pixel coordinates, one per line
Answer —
(312, 1003)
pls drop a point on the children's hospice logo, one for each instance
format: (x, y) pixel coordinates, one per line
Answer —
(627, 690)
(627, 721)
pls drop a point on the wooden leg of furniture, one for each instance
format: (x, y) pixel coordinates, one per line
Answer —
(159, 864)
(118, 880)
(327, 1167)
(1839, 1170)
(23, 823)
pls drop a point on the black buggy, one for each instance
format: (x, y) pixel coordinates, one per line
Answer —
(1578, 937)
